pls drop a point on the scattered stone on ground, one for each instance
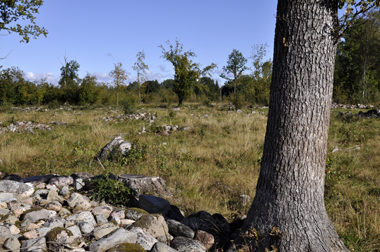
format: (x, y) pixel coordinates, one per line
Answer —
(22, 126)
(136, 116)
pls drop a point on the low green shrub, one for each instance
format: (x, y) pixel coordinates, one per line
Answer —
(111, 191)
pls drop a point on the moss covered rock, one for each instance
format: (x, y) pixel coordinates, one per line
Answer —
(154, 224)
(58, 237)
(134, 213)
(127, 247)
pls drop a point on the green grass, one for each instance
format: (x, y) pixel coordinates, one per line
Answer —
(209, 166)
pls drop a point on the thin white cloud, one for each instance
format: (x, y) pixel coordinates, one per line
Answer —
(110, 55)
(50, 78)
(163, 68)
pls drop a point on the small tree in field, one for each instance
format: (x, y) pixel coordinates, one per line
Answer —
(140, 68)
(186, 71)
(119, 77)
(236, 66)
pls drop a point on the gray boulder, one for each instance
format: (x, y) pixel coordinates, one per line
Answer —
(5, 233)
(85, 227)
(178, 229)
(120, 236)
(116, 147)
(84, 216)
(7, 197)
(61, 181)
(162, 247)
(77, 199)
(183, 244)
(104, 229)
(54, 222)
(10, 186)
(144, 239)
(35, 216)
(34, 245)
(154, 224)
(12, 244)
(134, 213)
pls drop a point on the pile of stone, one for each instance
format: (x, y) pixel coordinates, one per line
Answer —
(350, 106)
(137, 116)
(23, 126)
(163, 130)
(30, 108)
(47, 213)
(369, 114)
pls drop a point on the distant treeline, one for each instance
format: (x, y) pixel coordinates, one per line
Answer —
(16, 90)
(356, 80)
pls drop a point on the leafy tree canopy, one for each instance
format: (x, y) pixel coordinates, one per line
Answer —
(12, 11)
(235, 65)
(186, 71)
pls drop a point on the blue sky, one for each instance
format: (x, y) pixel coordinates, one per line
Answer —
(98, 34)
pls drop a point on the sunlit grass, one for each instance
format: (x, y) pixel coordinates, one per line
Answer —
(210, 165)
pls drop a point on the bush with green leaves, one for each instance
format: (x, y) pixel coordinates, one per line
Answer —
(238, 100)
(111, 191)
(129, 107)
(53, 104)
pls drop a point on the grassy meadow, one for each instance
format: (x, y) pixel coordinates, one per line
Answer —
(208, 166)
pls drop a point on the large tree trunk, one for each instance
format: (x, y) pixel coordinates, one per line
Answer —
(290, 189)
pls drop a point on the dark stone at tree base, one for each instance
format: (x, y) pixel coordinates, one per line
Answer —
(175, 213)
(215, 224)
(13, 177)
(178, 229)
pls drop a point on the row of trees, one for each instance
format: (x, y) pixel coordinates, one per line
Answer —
(190, 82)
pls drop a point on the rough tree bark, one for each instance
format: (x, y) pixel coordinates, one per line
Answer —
(290, 189)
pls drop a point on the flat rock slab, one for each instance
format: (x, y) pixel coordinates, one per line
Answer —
(10, 186)
(104, 229)
(34, 245)
(143, 184)
(35, 216)
(120, 236)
